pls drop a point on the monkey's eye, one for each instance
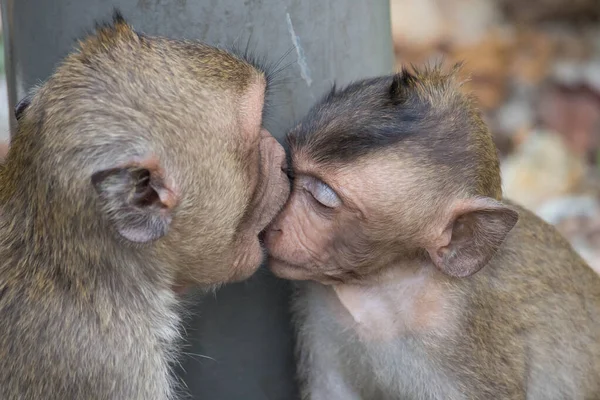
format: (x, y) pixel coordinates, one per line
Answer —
(322, 193)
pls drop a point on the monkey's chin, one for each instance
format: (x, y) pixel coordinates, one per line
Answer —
(248, 262)
(284, 270)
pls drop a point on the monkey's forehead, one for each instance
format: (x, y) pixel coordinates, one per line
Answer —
(353, 122)
(377, 113)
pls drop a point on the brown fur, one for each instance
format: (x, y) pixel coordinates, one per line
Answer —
(138, 167)
(3, 151)
(420, 280)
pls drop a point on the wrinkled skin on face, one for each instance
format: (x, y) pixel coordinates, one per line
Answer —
(362, 218)
(340, 229)
(381, 179)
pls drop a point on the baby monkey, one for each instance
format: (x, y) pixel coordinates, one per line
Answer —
(420, 281)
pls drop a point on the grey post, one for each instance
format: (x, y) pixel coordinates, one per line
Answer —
(240, 344)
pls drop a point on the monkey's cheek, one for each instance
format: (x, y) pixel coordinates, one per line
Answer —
(250, 257)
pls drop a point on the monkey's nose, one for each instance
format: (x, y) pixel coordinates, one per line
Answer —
(274, 226)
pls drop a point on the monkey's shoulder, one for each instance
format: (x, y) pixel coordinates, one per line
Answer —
(535, 258)
(532, 234)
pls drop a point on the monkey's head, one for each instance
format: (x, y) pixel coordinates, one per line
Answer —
(386, 170)
(158, 142)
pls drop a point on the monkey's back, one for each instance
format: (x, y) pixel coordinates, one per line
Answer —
(535, 310)
(528, 327)
(57, 343)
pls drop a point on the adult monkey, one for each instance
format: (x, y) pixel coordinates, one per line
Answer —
(245, 326)
(141, 165)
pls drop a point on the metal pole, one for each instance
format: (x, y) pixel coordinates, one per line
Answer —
(239, 341)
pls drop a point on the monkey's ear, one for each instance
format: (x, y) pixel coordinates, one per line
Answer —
(22, 106)
(136, 200)
(477, 229)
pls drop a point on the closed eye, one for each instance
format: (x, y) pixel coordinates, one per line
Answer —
(321, 192)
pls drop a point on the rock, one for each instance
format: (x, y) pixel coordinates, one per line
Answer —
(487, 63)
(416, 23)
(555, 211)
(574, 113)
(517, 113)
(567, 73)
(532, 56)
(578, 219)
(468, 22)
(429, 23)
(591, 73)
(541, 169)
(531, 11)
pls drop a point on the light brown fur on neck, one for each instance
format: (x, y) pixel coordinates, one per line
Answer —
(395, 302)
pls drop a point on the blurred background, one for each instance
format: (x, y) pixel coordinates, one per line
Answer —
(535, 67)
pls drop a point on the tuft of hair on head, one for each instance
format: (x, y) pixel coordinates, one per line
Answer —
(401, 83)
(118, 17)
(431, 83)
(460, 122)
(108, 33)
(117, 21)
